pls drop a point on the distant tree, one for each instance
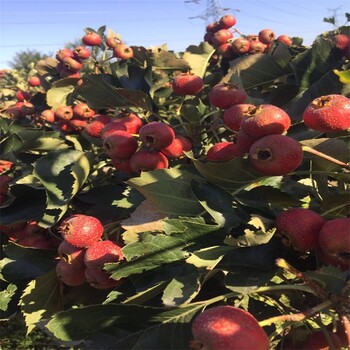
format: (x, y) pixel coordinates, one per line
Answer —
(23, 59)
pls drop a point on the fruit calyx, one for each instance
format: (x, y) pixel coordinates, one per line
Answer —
(321, 102)
(262, 154)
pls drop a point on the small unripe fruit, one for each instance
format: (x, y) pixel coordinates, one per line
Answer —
(275, 155)
(228, 328)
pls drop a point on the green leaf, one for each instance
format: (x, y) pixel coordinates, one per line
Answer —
(232, 175)
(163, 59)
(217, 202)
(41, 299)
(208, 257)
(6, 296)
(62, 173)
(169, 190)
(182, 289)
(150, 252)
(60, 91)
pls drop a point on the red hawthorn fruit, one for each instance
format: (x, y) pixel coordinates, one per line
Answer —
(94, 128)
(123, 51)
(257, 46)
(67, 73)
(100, 279)
(285, 39)
(91, 39)
(244, 141)
(113, 41)
(71, 254)
(81, 52)
(72, 64)
(101, 253)
(240, 46)
(146, 160)
(208, 37)
(64, 126)
(132, 122)
(70, 274)
(342, 42)
(234, 115)
(265, 119)
(223, 152)
(266, 36)
(120, 145)
(252, 37)
(300, 228)
(156, 135)
(275, 155)
(27, 108)
(318, 341)
(4, 183)
(221, 37)
(329, 113)
(82, 110)
(61, 54)
(213, 27)
(22, 95)
(228, 327)
(5, 165)
(77, 123)
(226, 51)
(187, 84)
(122, 165)
(177, 148)
(112, 127)
(48, 115)
(227, 21)
(334, 241)
(34, 81)
(64, 113)
(81, 230)
(224, 95)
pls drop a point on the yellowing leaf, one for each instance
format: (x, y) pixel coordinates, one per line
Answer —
(344, 77)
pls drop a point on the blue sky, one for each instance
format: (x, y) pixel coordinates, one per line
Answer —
(47, 25)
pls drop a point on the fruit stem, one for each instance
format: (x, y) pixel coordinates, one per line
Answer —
(300, 316)
(326, 157)
(323, 294)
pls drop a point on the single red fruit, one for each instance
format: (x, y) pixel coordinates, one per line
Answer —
(67, 73)
(4, 183)
(256, 46)
(240, 46)
(120, 145)
(113, 41)
(285, 39)
(328, 113)
(229, 328)
(81, 230)
(77, 123)
(27, 108)
(227, 21)
(64, 113)
(122, 165)
(275, 155)
(22, 95)
(146, 160)
(81, 52)
(342, 42)
(187, 84)
(234, 115)
(47, 115)
(300, 228)
(156, 135)
(71, 254)
(72, 64)
(94, 128)
(221, 37)
(34, 81)
(123, 51)
(224, 95)
(244, 141)
(265, 119)
(266, 36)
(334, 240)
(318, 341)
(70, 274)
(5, 165)
(101, 253)
(223, 152)
(177, 148)
(91, 39)
(82, 110)
(132, 122)
(61, 54)
(112, 127)
(226, 51)
(213, 27)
